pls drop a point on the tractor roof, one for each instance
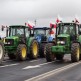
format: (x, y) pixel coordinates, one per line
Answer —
(42, 28)
(67, 23)
(18, 26)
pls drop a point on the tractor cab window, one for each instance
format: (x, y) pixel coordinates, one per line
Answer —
(38, 32)
(80, 30)
(47, 32)
(27, 32)
(16, 31)
(77, 29)
(66, 29)
(12, 31)
(20, 31)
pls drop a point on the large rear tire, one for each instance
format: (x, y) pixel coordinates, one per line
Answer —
(49, 55)
(2, 52)
(21, 53)
(34, 50)
(75, 52)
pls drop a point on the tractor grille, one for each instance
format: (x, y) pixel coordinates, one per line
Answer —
(9, 42)
(43, 38)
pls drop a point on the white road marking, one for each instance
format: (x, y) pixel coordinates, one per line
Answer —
(35, 66)
(47, 74)
(29, 67)
(34, 60)
(9, 65)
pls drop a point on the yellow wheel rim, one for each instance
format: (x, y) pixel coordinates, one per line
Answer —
(78, 52)
(23, 52)
(35, 49)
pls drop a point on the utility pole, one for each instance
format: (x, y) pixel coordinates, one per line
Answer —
(35, 22)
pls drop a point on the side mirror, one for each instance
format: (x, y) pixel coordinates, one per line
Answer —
(2, 28)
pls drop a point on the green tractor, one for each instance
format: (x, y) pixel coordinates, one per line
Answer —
(68, 41)
(20, 43)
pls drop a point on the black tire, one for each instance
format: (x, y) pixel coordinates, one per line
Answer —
(59, 56)
(2, 52)
(42, 50)
(75, 52)
(34, 50)
(49, 55)
(11, 56)
(80, 57)
(21, 53)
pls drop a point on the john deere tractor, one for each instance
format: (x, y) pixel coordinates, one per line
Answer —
(20, 43)
(42, 34)
(68, 41)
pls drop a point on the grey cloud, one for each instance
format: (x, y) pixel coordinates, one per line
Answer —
(19, 11)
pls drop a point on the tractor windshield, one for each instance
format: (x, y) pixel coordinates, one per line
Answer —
(66, 29)
(16, 31)
(37, 32)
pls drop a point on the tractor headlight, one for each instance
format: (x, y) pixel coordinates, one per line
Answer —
(61, 42)
(9, 42)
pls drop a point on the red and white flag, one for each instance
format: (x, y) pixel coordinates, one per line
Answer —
(52, 25)
(76, 20)
(59, 19)
(30, 24)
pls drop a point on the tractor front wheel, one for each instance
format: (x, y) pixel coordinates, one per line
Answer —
(49, 55)
(34, 50)
(75, 52)
(21, 53)
(1, 52)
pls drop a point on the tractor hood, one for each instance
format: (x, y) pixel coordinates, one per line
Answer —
(12, 37)
(11, 41)
(63, 35)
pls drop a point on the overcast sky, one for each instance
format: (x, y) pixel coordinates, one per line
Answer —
(44, 11)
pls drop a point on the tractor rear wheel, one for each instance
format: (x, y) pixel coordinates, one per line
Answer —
(1, 52)
(75, 52)
(34, 50)
(21, 53)
(49, 55)
(11, 56)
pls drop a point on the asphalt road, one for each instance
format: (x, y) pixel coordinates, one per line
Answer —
(32, 70)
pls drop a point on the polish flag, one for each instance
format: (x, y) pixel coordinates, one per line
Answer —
(52, 25)
(52, 32)
(59, 19)
(30, 24)
(76, 20)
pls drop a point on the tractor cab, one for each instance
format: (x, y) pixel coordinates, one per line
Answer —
(18, 31)
(71, 29)
(41, 33)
